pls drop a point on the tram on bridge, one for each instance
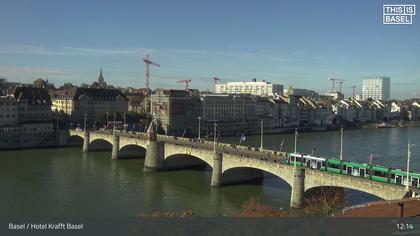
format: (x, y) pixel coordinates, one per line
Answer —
(374, 172)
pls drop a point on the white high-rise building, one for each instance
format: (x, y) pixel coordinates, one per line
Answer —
(377, 88)
(260, 88)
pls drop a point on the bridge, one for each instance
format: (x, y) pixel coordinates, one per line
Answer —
(233, 164)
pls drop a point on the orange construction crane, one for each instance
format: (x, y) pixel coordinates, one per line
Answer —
(148, 63)
(186, 81)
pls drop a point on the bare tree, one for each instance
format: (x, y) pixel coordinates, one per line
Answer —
(254, 208)
(323, 201)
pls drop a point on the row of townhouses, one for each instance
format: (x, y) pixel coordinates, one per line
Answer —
(179, 111)
(236, 108)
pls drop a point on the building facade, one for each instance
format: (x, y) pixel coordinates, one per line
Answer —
(26, 119)
(92, 102)
(377, 88)
(8, 111)
(302, 92)
(138, 101)
(237, 113)
(260, 88)
(176, 111)
(34, 104)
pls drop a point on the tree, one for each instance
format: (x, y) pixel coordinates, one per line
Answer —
(41, 83)
(323, 201)
(166, 214)
(66, 86)
(404, 114)
(254, 208)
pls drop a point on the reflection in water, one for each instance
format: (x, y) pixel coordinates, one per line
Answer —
(67, 182)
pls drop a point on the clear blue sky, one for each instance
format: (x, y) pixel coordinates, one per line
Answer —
(299, 43)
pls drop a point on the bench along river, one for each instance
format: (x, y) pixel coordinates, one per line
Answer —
(65, 182)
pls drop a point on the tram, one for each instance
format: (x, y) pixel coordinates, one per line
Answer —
(374, 172)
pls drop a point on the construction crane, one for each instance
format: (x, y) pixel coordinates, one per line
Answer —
(186, 81)
(148, 63)
(354, 91)
(340, 81)
(215, 80)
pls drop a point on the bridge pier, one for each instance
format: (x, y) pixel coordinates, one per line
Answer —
(216, 175)
(154, 156)
(298, 188)
(86, 141)
(115, 147)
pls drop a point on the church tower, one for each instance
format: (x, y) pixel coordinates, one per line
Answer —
(101, 80)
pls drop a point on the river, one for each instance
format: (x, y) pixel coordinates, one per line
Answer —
(64, 182)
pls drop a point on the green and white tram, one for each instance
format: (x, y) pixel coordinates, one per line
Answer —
(374, 172)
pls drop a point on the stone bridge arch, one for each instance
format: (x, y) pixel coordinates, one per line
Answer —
(284, 172)
(100, 144)
(386, 191)
(131, 151)
(129, 141)
(236, 175)
(96, 136)
(75, 139)
(189, 153)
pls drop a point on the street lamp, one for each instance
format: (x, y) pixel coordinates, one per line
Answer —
(409, 155)
(84, 127)
(215, 132)
(341, 145)
(113, 127)
(295, 153)
(262, 133)
(199, 128)
(107, 120)
(262, 129)
(125, 122)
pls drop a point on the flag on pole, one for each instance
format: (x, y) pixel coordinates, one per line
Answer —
(242, 139)
(281, 144)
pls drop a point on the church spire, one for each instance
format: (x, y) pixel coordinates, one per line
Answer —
(101, 80)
